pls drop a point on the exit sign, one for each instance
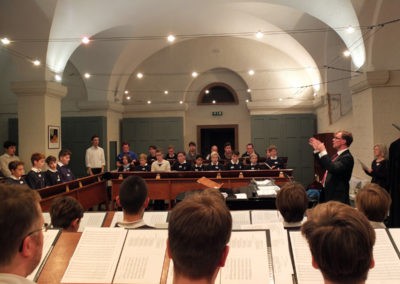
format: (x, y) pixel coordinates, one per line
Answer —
(216, 113)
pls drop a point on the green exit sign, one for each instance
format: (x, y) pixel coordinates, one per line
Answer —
(216, 113)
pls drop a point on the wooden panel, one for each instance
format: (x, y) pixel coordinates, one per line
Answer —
(290, 134)
(76, 133)
(142, 132)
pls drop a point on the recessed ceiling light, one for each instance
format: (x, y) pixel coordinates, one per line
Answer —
(346, 53)
(87, 75)
(166, 92)
(280, 99)
(36, 62)
(259, 35)
(171, 38)
(315, 94)
(251, 72)
(350, 30)
(139, 75)
(126, 92)
(128, 98)
(195, 74)
(248, 90)
(85, 40)
(5, 41)
(214, 101)
(181, 102)
(247, 100)
(207, 92)
(57, 77)
(148, 102)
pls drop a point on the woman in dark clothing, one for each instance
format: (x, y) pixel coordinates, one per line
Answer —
(379, 166)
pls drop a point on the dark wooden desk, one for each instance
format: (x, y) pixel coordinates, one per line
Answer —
(167, 186)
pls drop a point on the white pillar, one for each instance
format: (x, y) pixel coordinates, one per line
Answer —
(39, 107)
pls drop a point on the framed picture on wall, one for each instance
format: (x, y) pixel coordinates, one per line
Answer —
(335, 107)
(54, 137)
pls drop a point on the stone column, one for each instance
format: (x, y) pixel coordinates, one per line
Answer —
(39, 106)
(376, 102)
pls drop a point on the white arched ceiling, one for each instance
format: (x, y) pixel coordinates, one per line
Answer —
(105, 19)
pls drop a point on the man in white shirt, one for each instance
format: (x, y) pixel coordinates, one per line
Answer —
(95, 160)
(10, 148)
(21, 237)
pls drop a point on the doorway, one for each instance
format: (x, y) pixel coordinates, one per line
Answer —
(209, 135)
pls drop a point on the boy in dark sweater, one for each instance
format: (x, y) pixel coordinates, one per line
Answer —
(52, 176)
(35, 177)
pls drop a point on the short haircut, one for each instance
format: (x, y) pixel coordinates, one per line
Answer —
(236, 153)
(191, 143)
(292, 202)
(272, 147)
(143, 156)
(347, 136)
(50, 159)
(341, 241)
(170, 147)
(64, 152)
(37, 157)
(132, 194)
(158, 151)
(9, 144)
(124, 144)
(181, 152)
(18, 214)
(227, 144)
(64, 210)
(128, 158)
(250, 144)
(13, 165)
(214, 154)
(153, 147)
(253, 155)
(199, 156)
(198, 232)
(94, 136)
(374, 202)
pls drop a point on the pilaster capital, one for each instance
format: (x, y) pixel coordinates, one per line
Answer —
(369, 80)
(38, 88)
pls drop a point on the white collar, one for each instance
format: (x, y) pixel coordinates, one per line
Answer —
(131, 225)
(14, 177)
(341, 151)
(36, 170)
(291, 224)
(53, 171)
(234, 163)
(60, 164)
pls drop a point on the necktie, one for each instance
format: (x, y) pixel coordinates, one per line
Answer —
(333, 158)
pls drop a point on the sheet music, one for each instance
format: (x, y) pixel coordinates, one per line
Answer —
(395, 233)
(265, 216)
(302, 259)
(154, 219)
(118, 217)
(387, 263)
(142, 257)
(91, 219)
(247, 260)
(240, 218)
(96, 256)
(49, 238)
(46, 217)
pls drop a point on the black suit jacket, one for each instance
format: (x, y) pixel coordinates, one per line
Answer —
(339, 174)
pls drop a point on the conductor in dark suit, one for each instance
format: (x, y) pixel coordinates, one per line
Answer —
(338, 168)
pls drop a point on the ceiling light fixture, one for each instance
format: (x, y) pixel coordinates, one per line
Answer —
(85, 40)
(248, 90)
(181, 102)
(148, 102)
(171, 38)
(5, 41)
(214, 101)
(126, 92)
(195, 74)
(207, 92)
(36, 62)
(87, 75)
(57, 78)
(259, 35)
(166, 92)
(251, 72)
(139, 75)
(346, 53)
(128, 98)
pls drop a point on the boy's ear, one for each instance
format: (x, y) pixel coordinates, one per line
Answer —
(75, 224)
(314, 263)
(224, 256)
(117, 200)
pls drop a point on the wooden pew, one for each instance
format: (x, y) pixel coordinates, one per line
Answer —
(89, 191)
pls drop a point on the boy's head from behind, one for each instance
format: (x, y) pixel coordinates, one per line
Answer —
(341, 241)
